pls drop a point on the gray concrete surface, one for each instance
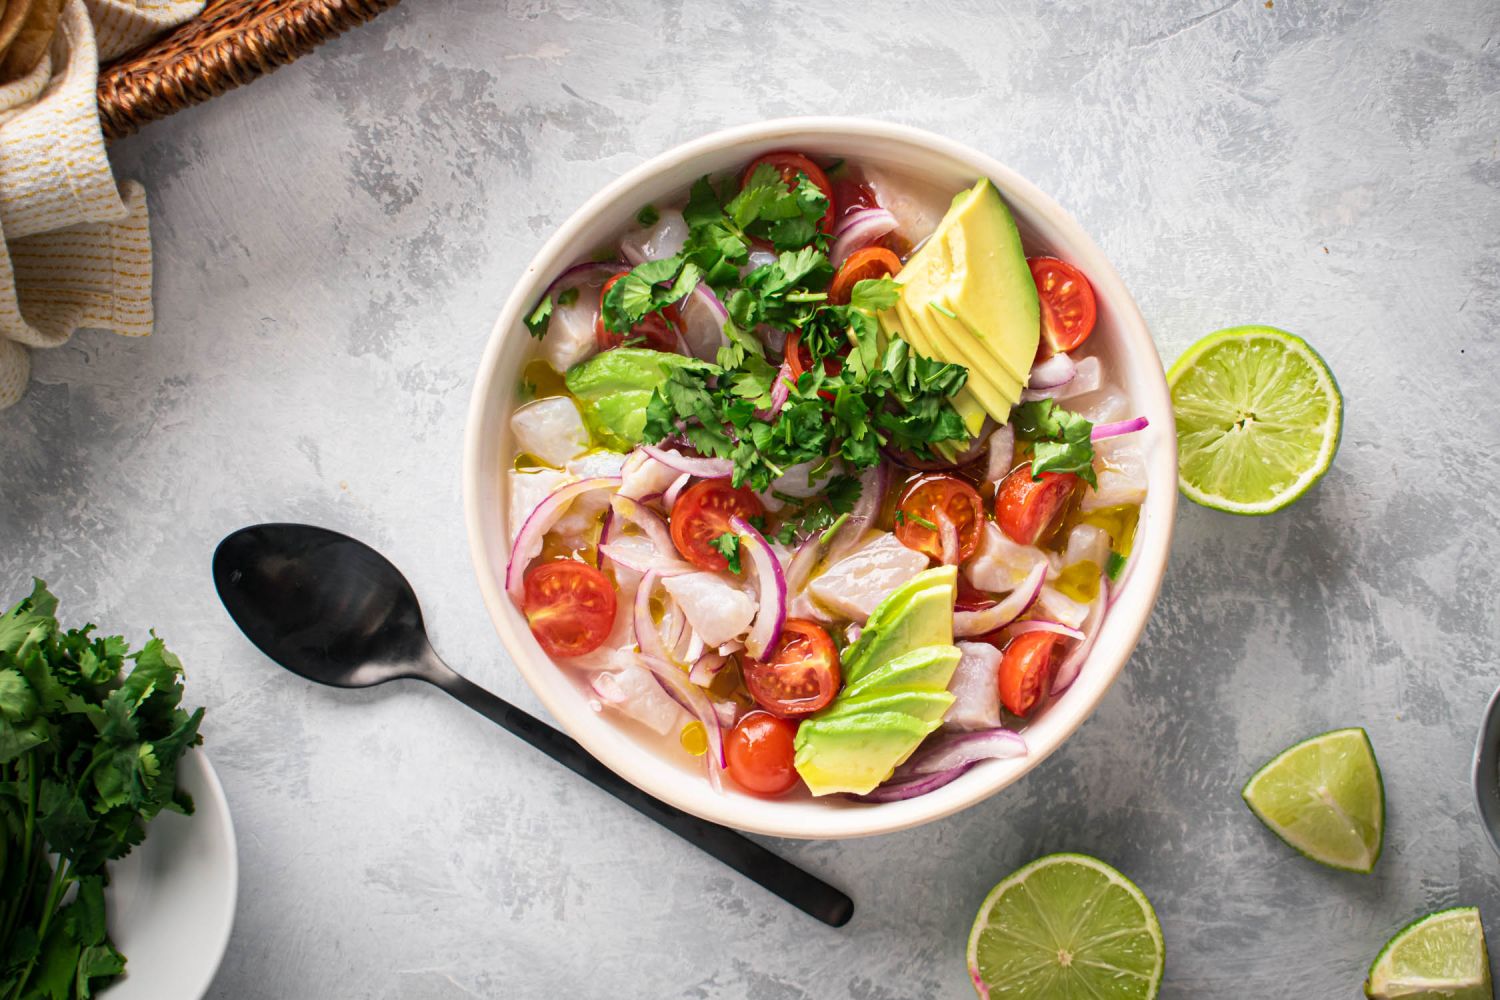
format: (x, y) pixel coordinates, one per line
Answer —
(332, 246)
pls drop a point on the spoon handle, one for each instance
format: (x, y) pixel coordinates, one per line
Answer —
(806, 892)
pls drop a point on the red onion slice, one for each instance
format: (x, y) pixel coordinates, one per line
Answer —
(935, 766)
(580, 274)
(647, 634)
(706, 668)
(1103, 431)
(948, 535)
(963, 748)
(969, 623)
(781, 389)
(648, 520)
(896, 791)
(669, 498)
(1057, 370)
(703, 468)
(1087, 375)
(634, 562)
(1002, 457)
(858, 230)
(1070, 668)
(1042, 625)
(692, 698)
(873, 483)
(528, 543)
(803, 563)
(771, 615)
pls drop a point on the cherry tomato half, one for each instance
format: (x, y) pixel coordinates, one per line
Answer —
(570, 607)
(871, 262)
(1068, 308)
(1026, 671)
(799, 360)
(970, 598)
(799, 676)
(659, 328)
(1027, 509)
(702, 514)
(936, 498)
(792, 164)
(761, 754)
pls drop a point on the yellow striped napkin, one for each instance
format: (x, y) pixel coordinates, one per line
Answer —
(79, 252)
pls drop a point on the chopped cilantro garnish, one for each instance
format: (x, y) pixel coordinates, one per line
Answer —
(729, 545)
(567, 296)
(1114, 565)
(648, 215)
(1059, 437)
(835, 526)
(822, 513)
(902, 517)
(648, 288)
(536, 323)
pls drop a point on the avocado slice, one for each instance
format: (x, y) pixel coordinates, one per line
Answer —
(972, 273)
(922, 294)
(918, 613)
(858, 752)
(612, 389)
(896, 679)
(970, 408)
(927, 706)
(993, 385)
(929, 668)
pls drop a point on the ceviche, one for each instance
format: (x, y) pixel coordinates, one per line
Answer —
(817, 478)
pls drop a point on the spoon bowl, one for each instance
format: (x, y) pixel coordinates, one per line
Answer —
(323, 605)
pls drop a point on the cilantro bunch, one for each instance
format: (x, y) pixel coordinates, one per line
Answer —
(87, 758)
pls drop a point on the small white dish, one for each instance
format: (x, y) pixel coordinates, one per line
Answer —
(170, 902)
(1121, 338)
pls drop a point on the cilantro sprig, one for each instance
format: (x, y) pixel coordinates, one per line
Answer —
(88, 757)
(728, 545)
(1060, 439)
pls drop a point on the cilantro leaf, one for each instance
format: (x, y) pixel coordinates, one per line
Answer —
(1114, 565)
(648, 215)
(647, 288)
(536, 321)
(728, 544)
(1060, 439)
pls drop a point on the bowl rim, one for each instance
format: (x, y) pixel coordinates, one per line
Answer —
(1104, 663)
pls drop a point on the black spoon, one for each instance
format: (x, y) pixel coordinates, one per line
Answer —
(333, 610)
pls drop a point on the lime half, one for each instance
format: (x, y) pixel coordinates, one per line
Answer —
(1066, 927)
(1440, 955)
(1258, 419)
(1325, 797)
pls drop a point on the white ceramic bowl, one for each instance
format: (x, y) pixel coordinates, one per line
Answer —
(1121, 339)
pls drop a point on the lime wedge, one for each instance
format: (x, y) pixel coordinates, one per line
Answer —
(1066, 927)
(1258, 419)
(1440, 955)
(1324, 796)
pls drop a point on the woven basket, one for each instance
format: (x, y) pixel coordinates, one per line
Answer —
(231, 43)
